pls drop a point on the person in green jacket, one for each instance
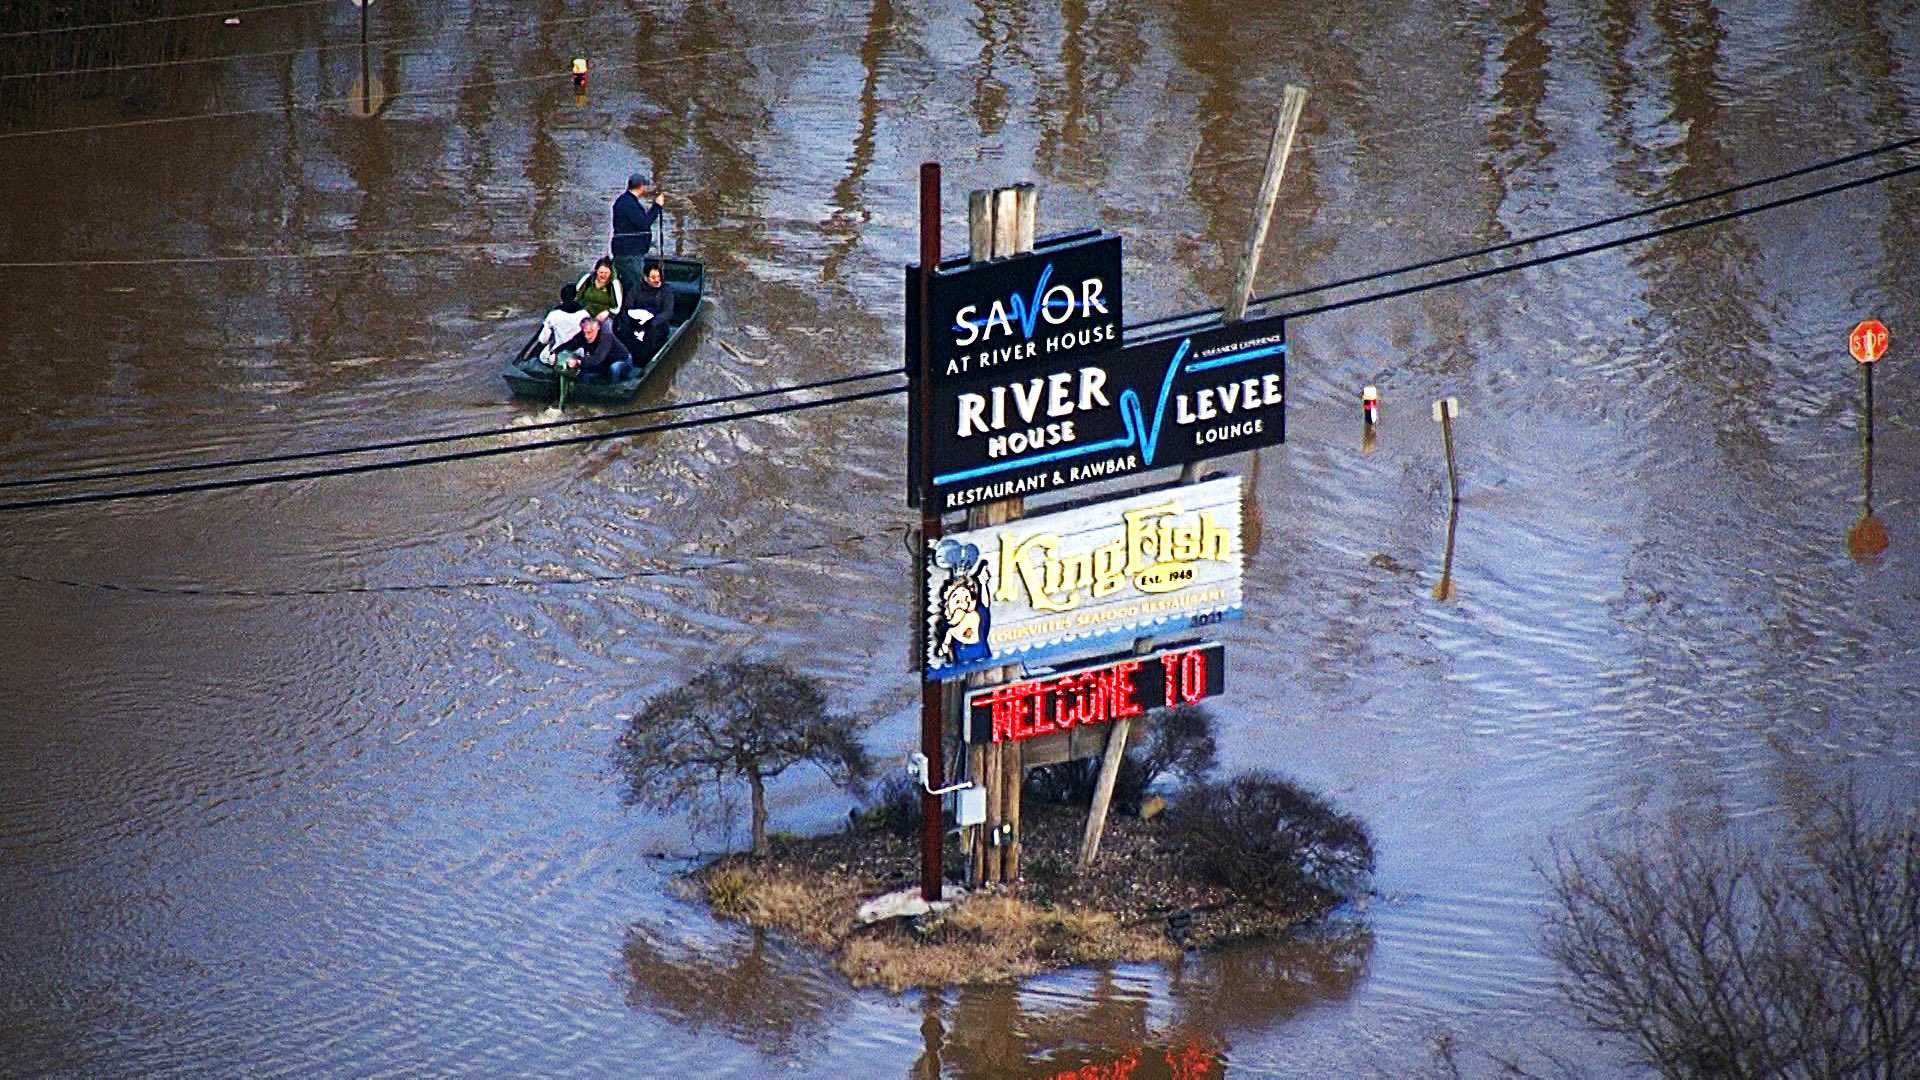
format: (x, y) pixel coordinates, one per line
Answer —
(599, 290)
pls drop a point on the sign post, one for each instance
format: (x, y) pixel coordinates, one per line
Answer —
(1868, 343)
(932, 737)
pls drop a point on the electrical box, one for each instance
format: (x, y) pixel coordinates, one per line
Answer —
(970, 806)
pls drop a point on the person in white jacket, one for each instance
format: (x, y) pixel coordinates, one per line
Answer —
(562, 323)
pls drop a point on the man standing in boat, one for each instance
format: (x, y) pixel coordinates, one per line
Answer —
(633, 218)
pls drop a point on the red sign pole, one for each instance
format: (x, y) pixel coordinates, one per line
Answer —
(1868, 343)
(932, 737)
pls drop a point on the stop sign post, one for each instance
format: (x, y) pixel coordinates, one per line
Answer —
(1868, 343)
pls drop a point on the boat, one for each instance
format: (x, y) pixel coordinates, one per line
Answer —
(530, 377)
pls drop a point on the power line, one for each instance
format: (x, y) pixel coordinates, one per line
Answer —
(427, 440)
(1606, 245)
(1556, 234)
(347, 470)
(225, 14)
(337, 46)
(453, 88)
(439, 459)
(525, 582)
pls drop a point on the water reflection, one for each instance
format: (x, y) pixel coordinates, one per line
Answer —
(1119, 1023)
(744, 984)
(1867, 538)
(1444, 589)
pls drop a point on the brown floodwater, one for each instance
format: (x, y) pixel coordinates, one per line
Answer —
(268, 806)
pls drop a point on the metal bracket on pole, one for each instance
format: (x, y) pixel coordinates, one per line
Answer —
(917, 768)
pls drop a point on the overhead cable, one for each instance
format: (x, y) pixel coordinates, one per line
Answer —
(522, 582)
(227, 13)
(1606, 245)
(1712, 219)
(430, 91)
(438, 459)
(109, 475)
(1555, 234)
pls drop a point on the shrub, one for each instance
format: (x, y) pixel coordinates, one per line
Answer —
(1260, 833)
(1177, 742)
(892, 806)
(1714, 956)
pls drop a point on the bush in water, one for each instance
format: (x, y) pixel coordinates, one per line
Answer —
(1259, 833)
(1714, 956)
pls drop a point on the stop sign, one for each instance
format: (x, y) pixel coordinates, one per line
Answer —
(1868, 342)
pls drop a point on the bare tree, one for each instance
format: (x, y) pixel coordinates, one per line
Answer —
(740, 720)
(1716, 957)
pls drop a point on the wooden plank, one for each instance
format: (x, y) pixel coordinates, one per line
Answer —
(1014, 782)
(1006, 221)
(1050, 749)
(1292, 100)
(979, 225)
(974, 840)
(991, 775)
(1026, 212)
(1103, 793)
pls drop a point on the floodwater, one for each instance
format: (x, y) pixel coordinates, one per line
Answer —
(291, 784)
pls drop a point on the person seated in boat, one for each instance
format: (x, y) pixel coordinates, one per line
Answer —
(650, 307)
(598, 354)
(599, 290)
(562, 322)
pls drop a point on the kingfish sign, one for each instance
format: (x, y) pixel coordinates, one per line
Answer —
(1041, 587)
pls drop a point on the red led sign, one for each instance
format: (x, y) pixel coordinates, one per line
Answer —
(1095, 694)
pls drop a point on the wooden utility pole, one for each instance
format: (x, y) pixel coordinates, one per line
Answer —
(1293, 101)
(1000, 225)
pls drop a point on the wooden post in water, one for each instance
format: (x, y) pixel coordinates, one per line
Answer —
(1869, 377)
(1293, 101)
(1444, 411)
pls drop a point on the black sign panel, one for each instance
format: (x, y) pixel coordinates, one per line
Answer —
(1054, 421)
(1096, 693)
(1009, 321)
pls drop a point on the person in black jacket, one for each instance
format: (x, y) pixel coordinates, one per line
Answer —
(650, 306)
(633, 218)
(600, 357)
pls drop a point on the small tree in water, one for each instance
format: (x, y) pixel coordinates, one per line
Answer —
(737, 721)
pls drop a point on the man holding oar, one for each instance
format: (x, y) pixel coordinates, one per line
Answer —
(633, 218)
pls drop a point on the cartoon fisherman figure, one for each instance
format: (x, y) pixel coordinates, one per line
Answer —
(961, 624)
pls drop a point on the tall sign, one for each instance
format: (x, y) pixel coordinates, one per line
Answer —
(1027, 321)
(1097, 575)
(1052, 421)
